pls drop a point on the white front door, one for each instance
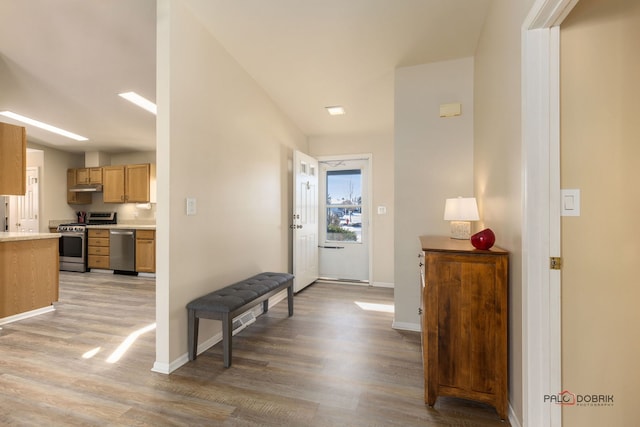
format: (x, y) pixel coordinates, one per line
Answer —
(305, 220)
(24, 210)
(344, 219)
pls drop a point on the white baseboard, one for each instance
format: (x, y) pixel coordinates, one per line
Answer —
(404, 326)
(27, 314)
(149, 275)
(357, 283)
(167, 368)
(513, 418)
(383, 285)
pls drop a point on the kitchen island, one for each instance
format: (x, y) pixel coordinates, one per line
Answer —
(29, 277)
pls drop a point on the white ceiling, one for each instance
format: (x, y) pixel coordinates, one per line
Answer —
(64, 62)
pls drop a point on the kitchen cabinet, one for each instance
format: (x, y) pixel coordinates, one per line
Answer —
(129, 183)
(146, 251)
(73, 197)
(98, 248)
(89, 176)
(464, 322)
(13, 160)
(29, 277)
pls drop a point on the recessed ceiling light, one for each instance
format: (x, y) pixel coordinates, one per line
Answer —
(42, 125)
(335, 110)
(140, 101)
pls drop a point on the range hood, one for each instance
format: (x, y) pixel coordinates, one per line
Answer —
(85, 188)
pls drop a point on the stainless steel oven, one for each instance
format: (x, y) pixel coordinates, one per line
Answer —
(73, 247)
(73, 239)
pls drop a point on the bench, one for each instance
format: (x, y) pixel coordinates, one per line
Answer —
(229, 302)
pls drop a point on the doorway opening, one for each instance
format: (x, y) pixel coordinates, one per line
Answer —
(344, 219)
(24, 211)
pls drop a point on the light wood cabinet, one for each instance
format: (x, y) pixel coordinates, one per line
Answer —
(145, 251)
(129, 183)
(29, 275)
(89, 176)
(13, 160)
(73, 197)
(98, 248)
(464, 322)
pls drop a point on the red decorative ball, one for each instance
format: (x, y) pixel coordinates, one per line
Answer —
(483, 239)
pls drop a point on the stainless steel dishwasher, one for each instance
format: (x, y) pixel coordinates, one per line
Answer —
(122, 251)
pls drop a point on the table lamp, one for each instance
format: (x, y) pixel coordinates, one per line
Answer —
(460, 211)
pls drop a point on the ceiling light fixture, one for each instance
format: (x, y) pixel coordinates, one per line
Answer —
(42, 125)
(140, 101)
(335, 110)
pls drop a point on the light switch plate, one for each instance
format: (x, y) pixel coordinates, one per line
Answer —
(570, 202)
(191, 206)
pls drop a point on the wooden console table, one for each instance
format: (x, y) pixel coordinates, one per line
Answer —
(464, 321)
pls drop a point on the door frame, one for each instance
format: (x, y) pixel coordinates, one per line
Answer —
(542, 357)
(368, 157)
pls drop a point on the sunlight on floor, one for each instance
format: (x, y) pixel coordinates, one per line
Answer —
(89, 354)
(384, 308)
(133, 336)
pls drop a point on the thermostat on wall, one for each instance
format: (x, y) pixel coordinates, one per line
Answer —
(450, 110)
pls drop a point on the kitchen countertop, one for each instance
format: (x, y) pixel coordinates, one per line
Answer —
(17, 236)
(127, 226)
(137, 226)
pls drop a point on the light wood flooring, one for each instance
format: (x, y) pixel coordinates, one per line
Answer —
(332, 364)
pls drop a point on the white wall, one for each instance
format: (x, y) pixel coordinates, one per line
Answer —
(497, 157)
(381, 148)
(433, 161)
(222, 141)
(53, 184)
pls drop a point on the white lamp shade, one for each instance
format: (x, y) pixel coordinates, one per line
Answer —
(461, 209)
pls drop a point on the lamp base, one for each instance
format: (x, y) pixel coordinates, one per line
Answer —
(461, 230)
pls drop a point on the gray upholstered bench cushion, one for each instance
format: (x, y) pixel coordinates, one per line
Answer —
(238, 294)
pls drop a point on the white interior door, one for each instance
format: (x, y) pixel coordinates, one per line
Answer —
(305, 220)
(344, 219)
(24, 211)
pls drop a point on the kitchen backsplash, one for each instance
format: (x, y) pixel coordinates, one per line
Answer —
(129, 213)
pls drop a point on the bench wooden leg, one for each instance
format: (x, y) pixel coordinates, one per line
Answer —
(265, 305)
(227, 334)
(193, 335)
(290, 299)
